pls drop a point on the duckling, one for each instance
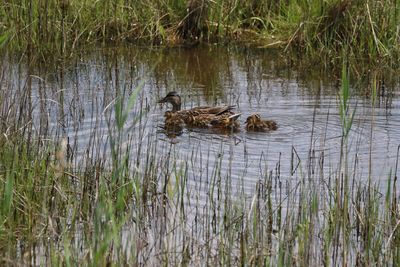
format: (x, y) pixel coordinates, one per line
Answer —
(197, 116)
(199, 120)
(173, 125)
(173, 121)
(226, 122)
(256, 124)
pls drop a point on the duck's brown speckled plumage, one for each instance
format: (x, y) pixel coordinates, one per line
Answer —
(226, 122)
(175, 100)
(199, 117)
(172, 120)
(256, 124)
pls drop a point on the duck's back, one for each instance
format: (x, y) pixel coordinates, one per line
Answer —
(211, 110)
(203, 114)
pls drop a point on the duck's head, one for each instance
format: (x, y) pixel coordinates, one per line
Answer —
(252, 119)
(174, 99)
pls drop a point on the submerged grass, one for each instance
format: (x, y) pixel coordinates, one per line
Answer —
(320, 28)
(137, 205)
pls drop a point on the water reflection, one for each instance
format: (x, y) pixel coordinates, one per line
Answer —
(76, 100)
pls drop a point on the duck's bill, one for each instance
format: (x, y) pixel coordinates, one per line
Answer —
(162, 100)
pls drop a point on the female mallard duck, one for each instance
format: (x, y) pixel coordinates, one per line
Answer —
(256, 124)
(197, 116)
(224, 121)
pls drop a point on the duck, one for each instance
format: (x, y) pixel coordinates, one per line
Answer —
(254, 123)
(226, 122)
(199, 117)
(173, 125)
(173, 121)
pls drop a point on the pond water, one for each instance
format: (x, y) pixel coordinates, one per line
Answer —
(75, 100)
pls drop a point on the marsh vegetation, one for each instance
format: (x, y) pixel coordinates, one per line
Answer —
(89, 176)
(366, 30)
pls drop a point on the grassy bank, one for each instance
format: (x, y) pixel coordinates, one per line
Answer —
(368, 30)
(136, 203)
